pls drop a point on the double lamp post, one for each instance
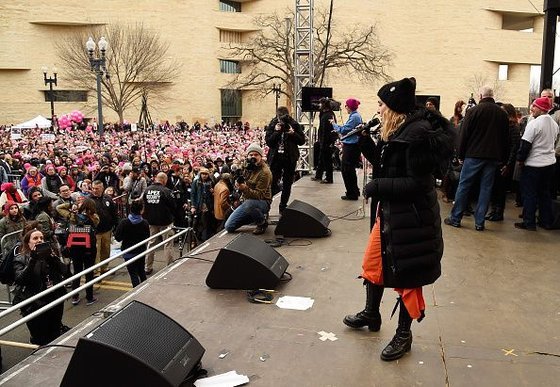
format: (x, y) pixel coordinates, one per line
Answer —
(98, 66)
(50, 80)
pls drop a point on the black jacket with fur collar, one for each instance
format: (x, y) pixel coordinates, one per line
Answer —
(403, 185)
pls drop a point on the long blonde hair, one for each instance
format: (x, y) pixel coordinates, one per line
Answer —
(391, 122)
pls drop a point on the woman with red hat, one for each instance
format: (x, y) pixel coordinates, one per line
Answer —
(350, 149)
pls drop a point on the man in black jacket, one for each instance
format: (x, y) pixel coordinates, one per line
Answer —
(483, 143)
(107, 211)
(326, 138)
(283, 135)
(159, 207)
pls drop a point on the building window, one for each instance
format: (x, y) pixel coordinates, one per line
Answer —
(230, 6)
(66, 95)
(231, 103)
(229, 67)
(503, 70)
(230, 36)
(518, 23)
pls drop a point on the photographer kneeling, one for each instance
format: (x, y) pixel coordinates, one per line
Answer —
(255, 187)
(36, 268)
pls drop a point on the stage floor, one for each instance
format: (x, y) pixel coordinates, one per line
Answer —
(492, 318)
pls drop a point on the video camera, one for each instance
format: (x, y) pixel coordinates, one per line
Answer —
(330, 103)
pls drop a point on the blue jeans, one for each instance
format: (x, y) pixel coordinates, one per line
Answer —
(535, 186)
(250, 211)
(469, 174)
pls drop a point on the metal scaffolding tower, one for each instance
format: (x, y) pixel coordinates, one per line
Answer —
(304, 60)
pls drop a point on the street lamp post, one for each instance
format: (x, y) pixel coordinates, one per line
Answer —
(50, 80)
(98, 65)
(276, 89)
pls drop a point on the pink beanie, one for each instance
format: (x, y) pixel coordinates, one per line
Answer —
(352, 103)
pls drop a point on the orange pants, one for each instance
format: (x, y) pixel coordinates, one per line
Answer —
(372, 270)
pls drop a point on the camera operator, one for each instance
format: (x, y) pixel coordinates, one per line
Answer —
(350, 150)
(134, 185)
(283, 135)
(255, 185)
(179, 188)
(326, 140)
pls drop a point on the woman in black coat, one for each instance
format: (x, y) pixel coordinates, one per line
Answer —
(405, 245)
(35, 272)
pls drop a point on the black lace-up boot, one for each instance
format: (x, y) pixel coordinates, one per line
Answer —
(370, 316)
(402, 341)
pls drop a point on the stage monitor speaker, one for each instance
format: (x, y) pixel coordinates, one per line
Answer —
(300, 219)
(136, 346)
(310, 97)
(246, 263)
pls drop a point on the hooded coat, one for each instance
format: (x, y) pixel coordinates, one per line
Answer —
(403, 185)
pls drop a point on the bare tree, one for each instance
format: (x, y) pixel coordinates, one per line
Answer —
(137, 64)
(477, 80)
(269, 56)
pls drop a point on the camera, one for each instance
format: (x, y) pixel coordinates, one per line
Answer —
(251, 164)
(284, 122)
(42, 250)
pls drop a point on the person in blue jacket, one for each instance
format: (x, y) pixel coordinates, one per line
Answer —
(350, 150)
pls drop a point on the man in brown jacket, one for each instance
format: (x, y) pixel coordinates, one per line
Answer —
(222, 204)
(255, 186)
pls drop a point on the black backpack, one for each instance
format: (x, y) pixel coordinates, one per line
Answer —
(7, 275)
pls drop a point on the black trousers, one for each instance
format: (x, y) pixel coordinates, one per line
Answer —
(350, 159)
(47, 326)
(82, 259)
(283, 169)
(325, 163)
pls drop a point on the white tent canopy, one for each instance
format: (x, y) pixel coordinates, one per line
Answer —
(38, 121)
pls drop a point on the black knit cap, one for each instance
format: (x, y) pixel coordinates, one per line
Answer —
(399, 96)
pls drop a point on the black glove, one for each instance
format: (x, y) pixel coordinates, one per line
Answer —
(370, 189)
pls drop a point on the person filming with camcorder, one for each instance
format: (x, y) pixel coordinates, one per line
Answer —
(283, 136)
(254, 183)
(37, 268)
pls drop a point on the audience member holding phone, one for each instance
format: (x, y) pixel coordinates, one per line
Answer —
(37, 269)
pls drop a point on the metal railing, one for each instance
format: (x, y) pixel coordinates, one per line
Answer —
(6, 304)
(61, 299)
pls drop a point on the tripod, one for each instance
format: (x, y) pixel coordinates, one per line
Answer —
(188, 240)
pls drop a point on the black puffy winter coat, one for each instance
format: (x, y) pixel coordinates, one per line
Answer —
(403, 185)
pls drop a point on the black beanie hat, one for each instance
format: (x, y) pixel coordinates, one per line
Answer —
(400, 95)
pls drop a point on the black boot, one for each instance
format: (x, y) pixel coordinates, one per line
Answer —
(370, 316)
(402, 341)
(496, 215)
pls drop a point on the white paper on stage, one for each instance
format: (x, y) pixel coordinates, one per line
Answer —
(295, 303)
(229, 379)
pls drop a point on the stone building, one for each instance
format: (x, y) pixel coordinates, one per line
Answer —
(451, 47)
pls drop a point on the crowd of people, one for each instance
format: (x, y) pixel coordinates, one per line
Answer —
(78, 191)
(498, 151)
